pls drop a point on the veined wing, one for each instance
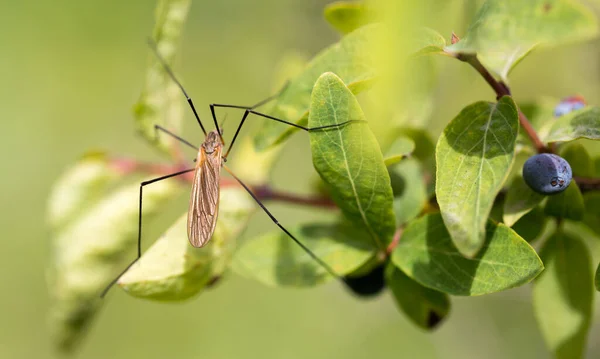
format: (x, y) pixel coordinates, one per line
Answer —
(204, 201)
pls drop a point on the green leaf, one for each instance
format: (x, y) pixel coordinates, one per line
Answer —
(596, 167)
(531, 225)
(275, 260)
(347, 16)
(161, 100)
(566, 204)
(520, 199)
(428, 42)
(426, 254)
(352, 59)
(579, 159)
(504, 32)
(410, 194)
(174, 270)
(79, 187)
(400, 148)
(425, 307)
(597, 278)
(349, 160)
(584, 123)
(474, 156)
(563, 295)
(591, 217)
(91, 251)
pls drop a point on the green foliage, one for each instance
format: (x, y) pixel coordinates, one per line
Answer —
(351, 59)
(563, 295)
(520, 199)
(584, 123)
(429, 42)
(504, 32)
(160, 101)
(173, 270)
(401, 147)
(473, 156)
(566, 204)
(389, 204)
(579, 159)
(410, 193)
(275, 260)
(349, 160)
(426, 254)
(425, 307)
(591, 217)
(92, 249)
(347, 16)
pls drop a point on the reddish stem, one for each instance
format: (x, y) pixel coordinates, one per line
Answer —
(395, 241)
(264, 192)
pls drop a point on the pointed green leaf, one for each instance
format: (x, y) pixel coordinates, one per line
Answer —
(161, 100)
(504, 32)
(591, 217)
(275, 260)
(428, 41)
(579, 159)
(566, 204)
(520, 199)
(425, 307)
(563, 295)
(584, 123)
(410, 194)
(474, 156)
(352, 59)
(174, 270)
(531, 225)
(400, 148)
(78, 188)
(91, 251)
(347, 16)
(597, 278)
(426, 254)
(349, 160)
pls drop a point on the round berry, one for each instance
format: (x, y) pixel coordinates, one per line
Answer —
(569, 104)
(547, 173)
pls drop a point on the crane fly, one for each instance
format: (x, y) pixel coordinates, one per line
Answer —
(204, 201)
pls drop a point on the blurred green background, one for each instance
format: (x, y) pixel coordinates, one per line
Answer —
(70, 73)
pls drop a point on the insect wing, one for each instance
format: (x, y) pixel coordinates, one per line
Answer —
(204, 201)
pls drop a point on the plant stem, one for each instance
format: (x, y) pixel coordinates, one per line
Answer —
(587, 184)
(501, 89)
(127, 166)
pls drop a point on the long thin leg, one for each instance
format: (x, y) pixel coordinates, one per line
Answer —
(172, 75)
(308, 251)
(139, 241)
(258, 104)
(307, 129)
(160, 128)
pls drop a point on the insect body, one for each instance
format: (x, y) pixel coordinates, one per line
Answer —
(204, 200)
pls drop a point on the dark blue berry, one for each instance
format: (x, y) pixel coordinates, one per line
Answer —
(547, 173)
(569, 104)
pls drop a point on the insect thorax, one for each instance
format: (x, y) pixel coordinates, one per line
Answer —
(212, 142)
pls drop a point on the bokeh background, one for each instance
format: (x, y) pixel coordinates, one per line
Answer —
(70, 72)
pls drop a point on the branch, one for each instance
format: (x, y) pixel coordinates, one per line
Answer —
(502, 89)
(127, 166)
(587, 184)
